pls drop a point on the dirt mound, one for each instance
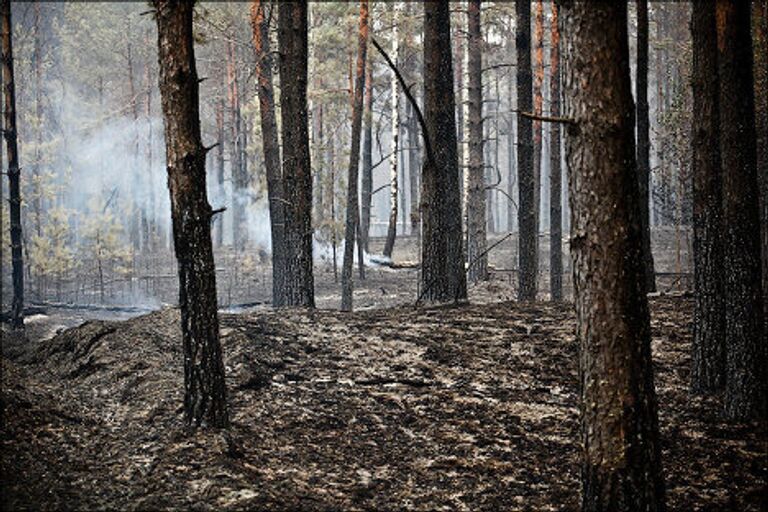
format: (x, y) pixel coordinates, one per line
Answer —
(470, 408)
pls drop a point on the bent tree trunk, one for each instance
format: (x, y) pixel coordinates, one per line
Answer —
(205, 400)
(443, 277)
(298, 285)
(708, 370)
(260, 16)
(621, 466)
(526, 219)
(389, 244)
(476, 238)
(745, 382)
(351, 223)
(14, 173)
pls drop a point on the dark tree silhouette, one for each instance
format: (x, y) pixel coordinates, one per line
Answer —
(555, 174)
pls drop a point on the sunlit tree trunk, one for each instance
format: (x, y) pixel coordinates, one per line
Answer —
(352, 218)
(394, 158)
(14, 174)
(708, 371)
(746, 379)
(555, 176)
(297, 176)
(621, 466)
(205, 400)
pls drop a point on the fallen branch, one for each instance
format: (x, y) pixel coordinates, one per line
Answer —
(548, 119)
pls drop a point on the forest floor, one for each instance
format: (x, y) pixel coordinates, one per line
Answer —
(449, 408)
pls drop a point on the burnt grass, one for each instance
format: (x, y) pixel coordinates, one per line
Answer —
(451, 408)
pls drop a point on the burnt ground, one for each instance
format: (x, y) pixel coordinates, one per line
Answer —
(452, 408)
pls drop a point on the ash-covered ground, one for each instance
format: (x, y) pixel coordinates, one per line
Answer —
(452, 408)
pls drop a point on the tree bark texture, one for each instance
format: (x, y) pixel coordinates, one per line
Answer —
(745, 386)
(621, 467)
(205, 400)
(555, 175)
(443, 277)
(760, 38)
(297, 176)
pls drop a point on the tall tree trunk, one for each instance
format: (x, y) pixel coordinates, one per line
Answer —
(443, 276)
(138, 211)
(538, 109)
(555, 176)
(526, 183)
(239, 179)
(621, 466)
(643, 138)
(476, 238)
(14, 173)
(152, 220)
(261, 13)
(219, 219)
(37, 58)
(352, 219)
(389, 244)
(708, 372)
(367, 179)
(297, 176)
(760, 37)
(414, 169)
(745, 382)
(205, 397)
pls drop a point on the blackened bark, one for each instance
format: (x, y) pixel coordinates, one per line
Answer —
(367, 179)
(476, 237)
(555, 175)
(443, 277)
(292, 35)
(760, 38)
(352, 217)
(14, 173)
(205, 400)
(708, 372)
(746, 380)
(621, 467)
(644, 139)
(526, 218)
(261, 13)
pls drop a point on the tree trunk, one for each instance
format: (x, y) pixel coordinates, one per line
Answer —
(14, 173)
(621, 467)
(760, 38)
(389, 244)
(443, 276)
(261, 13)
(526, 217)
(351, 222)
(476, 238)
(367, 179)
(151, 219)
(297, 176)
(643, 139)
(555, 176)
(37, 58)
(239, 178)
(538, 109)
(219, 219)
(708, 372)
(745, 388)
(205, 401)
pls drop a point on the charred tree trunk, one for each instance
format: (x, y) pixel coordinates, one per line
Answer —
(205, 400)
(292, 38)
(219, 219)
(745, 382)
(367, 179)
(351, 223)
(621, 467)
(708, 372)
(555, 175)
(526, 216)
(443, 277)
(14, 173)
(643, 139)
(476, 238)
(236, 160)
(389, 244)
(538, 109)
(261, 13)
(760, 37)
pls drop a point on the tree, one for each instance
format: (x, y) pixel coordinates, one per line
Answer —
(352, 218)
(14, 173)
(389, 244)
(476, 238)
(527, 253)
(644, 139)
(760, 38)
(260, 18)
(292, 39)
(367, 178)
(621, 466)
(443, 277)
(205, 397)
(555, 176)
(709, 322)
(745, 383)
